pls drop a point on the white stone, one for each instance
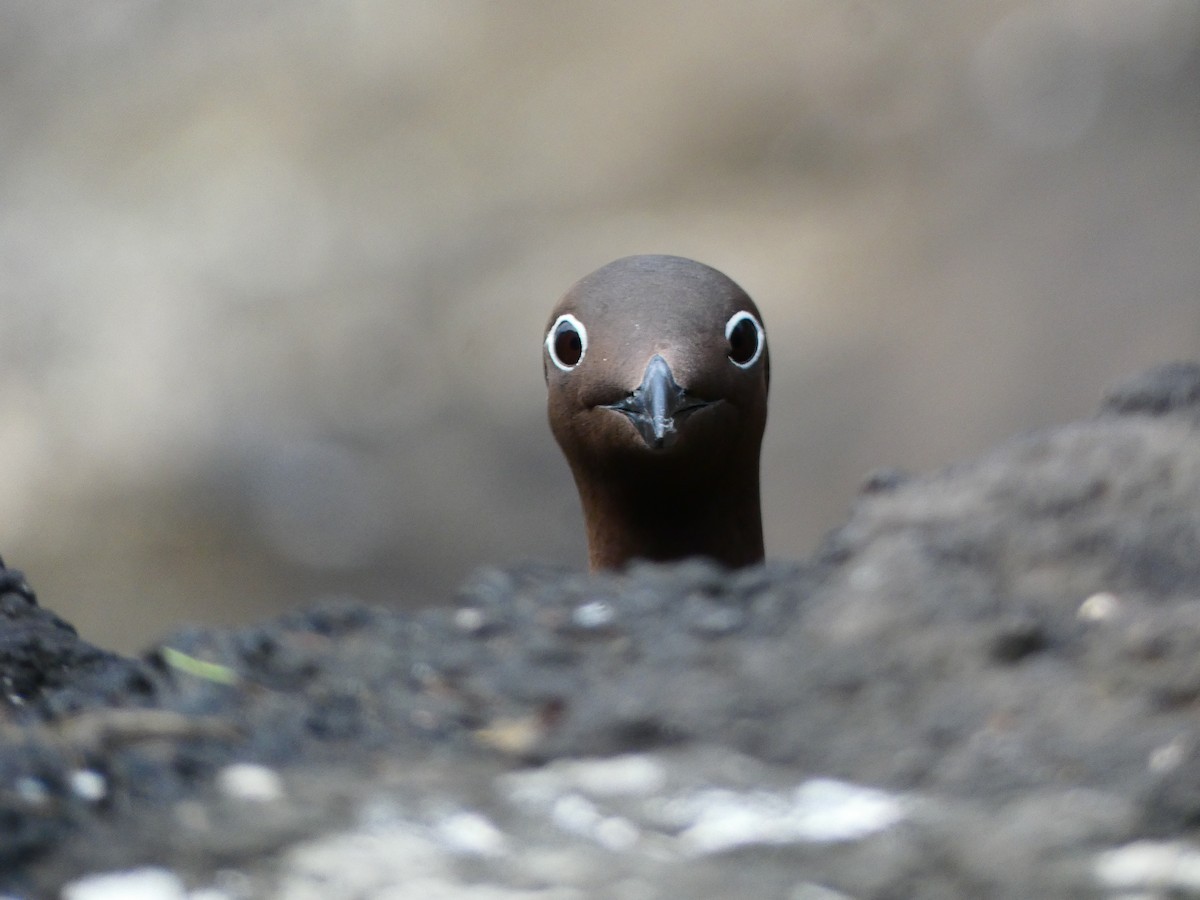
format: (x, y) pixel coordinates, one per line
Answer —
(469, 619)
(471, 834)
(250, 782)
(1099, 607)
(135, 884)
(88, 784)
(818, 811)
(593, 614)
(1158, 865)
(632, 775)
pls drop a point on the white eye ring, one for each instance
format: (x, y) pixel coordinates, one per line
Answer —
(760, 337)
(551, 339)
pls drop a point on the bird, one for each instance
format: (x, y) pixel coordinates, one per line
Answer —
(657, 374)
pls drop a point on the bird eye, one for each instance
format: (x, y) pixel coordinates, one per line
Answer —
(567, 342)
(746, 339)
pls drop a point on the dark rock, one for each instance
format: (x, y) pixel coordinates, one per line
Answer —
(1167, 389)
(1015, 641)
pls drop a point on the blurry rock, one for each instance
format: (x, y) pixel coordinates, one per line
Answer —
(1173, 388)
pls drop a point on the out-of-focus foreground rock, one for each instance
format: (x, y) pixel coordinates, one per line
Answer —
(985, 685)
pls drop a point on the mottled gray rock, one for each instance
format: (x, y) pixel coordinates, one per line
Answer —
(985, 685)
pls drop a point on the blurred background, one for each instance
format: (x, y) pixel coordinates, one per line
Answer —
(274, 275)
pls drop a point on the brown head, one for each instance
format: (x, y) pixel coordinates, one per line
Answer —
(657, 371)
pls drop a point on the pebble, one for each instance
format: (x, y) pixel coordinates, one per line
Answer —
(89, 785)
(471, 834)
(469, 619)
(134, 884)
(250, 782)
(820, 810)
(634, 774)
(1099, 607)
(593, 614)
(1159, 865)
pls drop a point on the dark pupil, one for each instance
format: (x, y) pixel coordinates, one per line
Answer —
(743, 341)
(567, 346)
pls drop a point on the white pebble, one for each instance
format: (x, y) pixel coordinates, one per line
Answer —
(633, 775)
(469, 619)
(135, 884)
(250, 782)
(820, 810)
(594, 614)
(471, 834)
(89, 785)
(1159, 865)
(1099, 607)
(834, 810)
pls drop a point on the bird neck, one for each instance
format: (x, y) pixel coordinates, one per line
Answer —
(655, 518)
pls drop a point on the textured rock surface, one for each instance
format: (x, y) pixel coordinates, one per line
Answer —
(986, 684)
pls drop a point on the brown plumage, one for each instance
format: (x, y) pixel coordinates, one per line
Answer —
(657, 371)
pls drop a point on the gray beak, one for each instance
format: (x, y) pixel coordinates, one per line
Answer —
(659, 406)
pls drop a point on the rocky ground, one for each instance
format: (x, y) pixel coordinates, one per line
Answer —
(986, 684)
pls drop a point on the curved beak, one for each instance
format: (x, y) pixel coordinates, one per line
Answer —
(659, 406)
